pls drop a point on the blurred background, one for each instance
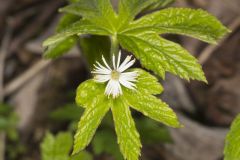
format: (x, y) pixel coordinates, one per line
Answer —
(37, 95)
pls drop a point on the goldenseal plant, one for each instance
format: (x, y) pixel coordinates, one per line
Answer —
(115, 86)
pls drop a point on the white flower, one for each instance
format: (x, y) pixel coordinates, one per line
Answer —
(115, 75)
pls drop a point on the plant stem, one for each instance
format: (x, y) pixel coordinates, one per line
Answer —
(114, 46)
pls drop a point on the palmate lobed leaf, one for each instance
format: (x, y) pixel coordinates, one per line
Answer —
(60, 48)
(128, 137)
(90, 95)
(99, 12)
(99, 18)
(128, 9)
(147, 83)
(65, 21)
(144, 102)
(232, 142)
(191, 22)
(159, 4)
(90, 46)
(155, 53)
(79, 27)
(141, 36)
(90, 121)
(152, 107)
(87, 92)
(160, 55)
(56, 148)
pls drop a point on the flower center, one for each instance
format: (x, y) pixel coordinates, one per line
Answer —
(115, 75)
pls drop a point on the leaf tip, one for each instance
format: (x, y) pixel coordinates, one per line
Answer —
(228, 30)
(178, 125)
(74, 152)
(45, 43)
(61, 10)
(203, 79)
(76, 149)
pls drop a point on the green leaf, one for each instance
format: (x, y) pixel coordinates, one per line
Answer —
(160, 55)
(65, 21)
(99, 12)
(232, 142)
(62, 47)
(195, 23)
(3, 123)
(94, 47)
(107, 138)
(128, 9)
(90, 9)
(56, 148)
(83, 155)
(151, 132)
(77, 28)
(5, 109)
(8, 124)
(91, 118)
(147, 83)
(159, 4)
(90, 95)
(128, 137)
(8, 121)
(150, 105)
(88, 92)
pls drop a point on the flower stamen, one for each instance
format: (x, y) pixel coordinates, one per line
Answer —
(115, 75)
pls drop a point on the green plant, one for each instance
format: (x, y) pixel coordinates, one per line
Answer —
(58, 148)
(150, 131)
(232, 142)
(8, 126)
(8, 121)
(134, 88)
